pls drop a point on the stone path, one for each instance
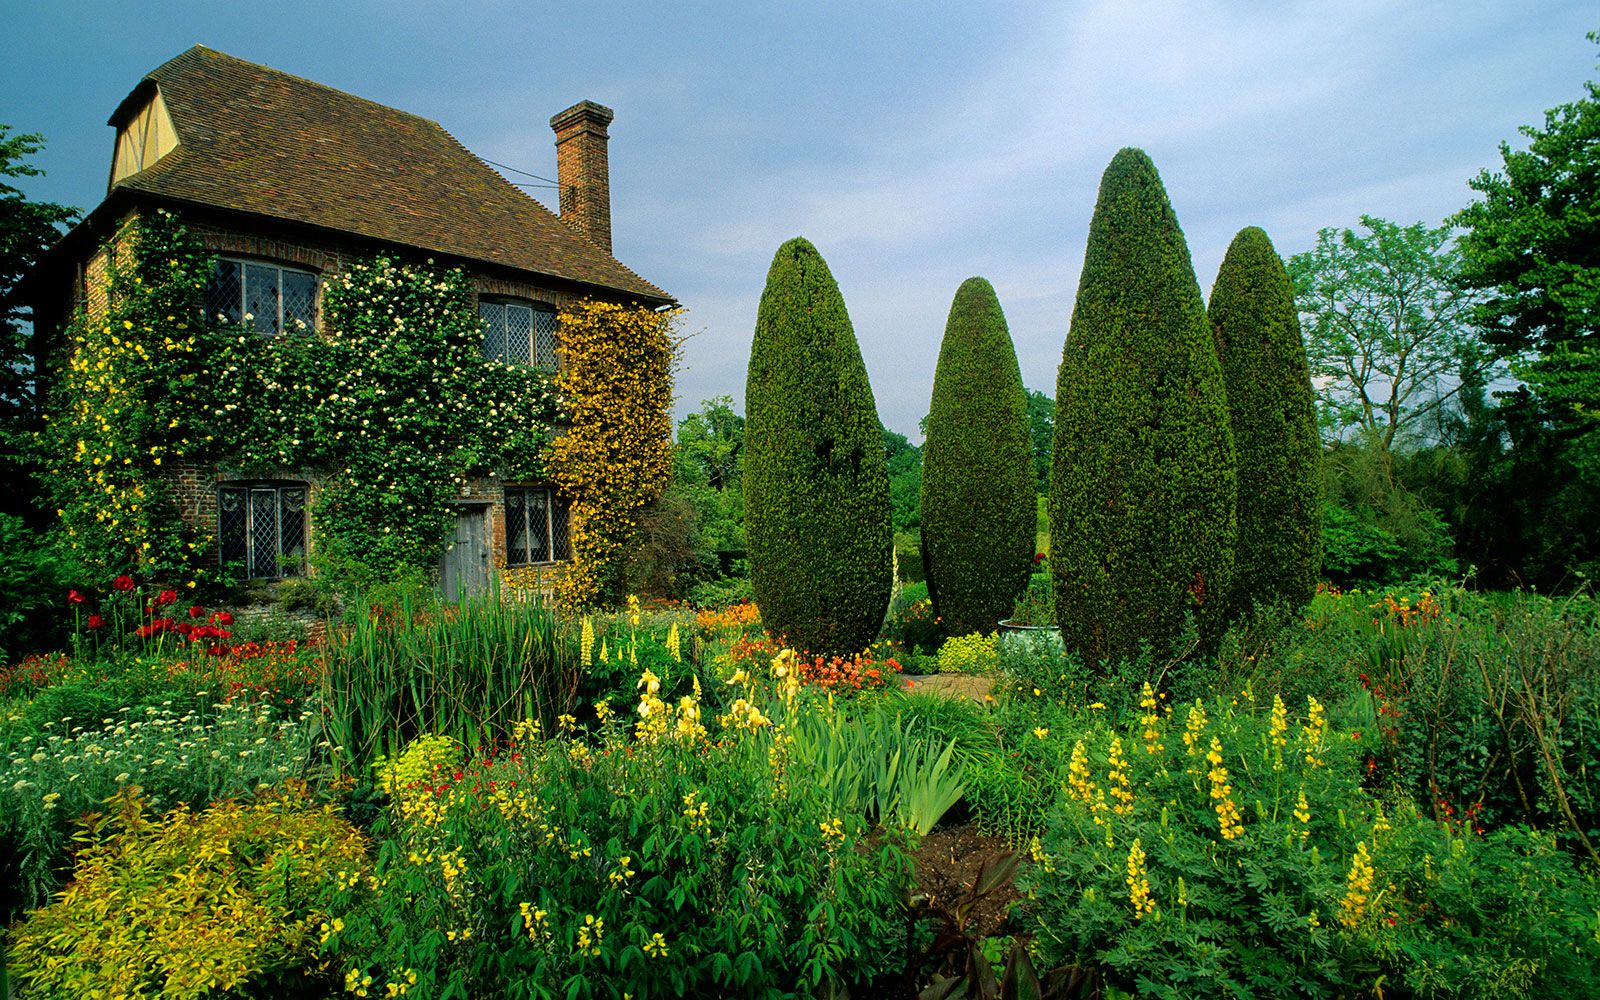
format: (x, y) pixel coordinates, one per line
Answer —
(974, 686)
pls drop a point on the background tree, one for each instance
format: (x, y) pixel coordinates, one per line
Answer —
(1386, 326)
(1270, 404)
(1532, 247)
(816, 488)
(1142, 480)
(978, 482)
(1042, 431)
(904, 461)
(27, 230)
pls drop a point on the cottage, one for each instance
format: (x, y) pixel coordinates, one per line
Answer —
(287, 180)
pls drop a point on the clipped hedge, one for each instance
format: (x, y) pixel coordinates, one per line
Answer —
(1270, 404)
(816, 488)
(1142, 484)
(978, 513)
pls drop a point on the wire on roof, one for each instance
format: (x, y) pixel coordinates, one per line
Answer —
(514, 170)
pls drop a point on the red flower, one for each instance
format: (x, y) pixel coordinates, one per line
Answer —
(73, 597)
(95, 621)
(222, 618)
(166, 597)
(197, 611)
(122, 583)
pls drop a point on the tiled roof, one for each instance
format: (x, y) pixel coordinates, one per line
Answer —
(254, 139)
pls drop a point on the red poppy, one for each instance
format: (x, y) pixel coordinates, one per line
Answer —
(73, 597)
(222, 618)
(122, 583)
(166, 597)
(197, 611)
(94, 622)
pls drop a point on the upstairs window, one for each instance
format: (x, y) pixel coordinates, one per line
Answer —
(261, 528)
(536, 526)
(519, 333)
(270, 299)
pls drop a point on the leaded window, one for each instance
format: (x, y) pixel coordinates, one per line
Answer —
(261, 528)
(536, 526)
(519, 333)
(270, 299)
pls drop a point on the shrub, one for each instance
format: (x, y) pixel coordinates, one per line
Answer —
(31, 582)
(175, 755)
(977, 480)
(1142, 483)
(1218, 850)
(1271, 406)
(816, 487)
(192, 904)
(969, 654)
(661, 865)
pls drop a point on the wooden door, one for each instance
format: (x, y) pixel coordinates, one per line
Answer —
(464, 569)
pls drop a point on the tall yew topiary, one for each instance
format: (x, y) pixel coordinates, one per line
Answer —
(816, 490)
(1142, 484)
(978, 509)
(1270, 402)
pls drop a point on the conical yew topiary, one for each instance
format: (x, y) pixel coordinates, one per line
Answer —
(816, 490)
(1271, 405)
(1142, 482)
(978, 509)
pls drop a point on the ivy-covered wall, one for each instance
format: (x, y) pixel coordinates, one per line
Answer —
(390, 406)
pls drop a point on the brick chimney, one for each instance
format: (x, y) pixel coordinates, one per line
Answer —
(582, 171)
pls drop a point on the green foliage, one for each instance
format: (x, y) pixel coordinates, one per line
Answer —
(879, 764)
(1270, 405)
(912, 622)
(978, 482)
(1532, 245)
(1143, 488)
(27, 229)
(195, 753)
(467, 671)
(393, 404)
(708, 472)
(816, 490)
(32, 578)
(1386, 326)
(1374, 530)
(976, 653)
(1042, 431)
(1229, 851)
(652, 867)
(191, 905)
(904, 462)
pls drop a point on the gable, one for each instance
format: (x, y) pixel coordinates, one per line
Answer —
(143, 138)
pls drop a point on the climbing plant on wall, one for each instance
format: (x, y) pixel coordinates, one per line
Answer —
(616, 457)
(391, 406)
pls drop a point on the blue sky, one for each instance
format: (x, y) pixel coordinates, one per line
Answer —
(915, 144)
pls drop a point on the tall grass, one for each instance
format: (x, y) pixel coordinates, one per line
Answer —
(469, 671)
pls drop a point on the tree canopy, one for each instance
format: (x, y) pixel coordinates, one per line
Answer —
(1386, 325)
(978, 508)
(1532, 248)
(1142, 483)
(816, 487)
(1270, 404)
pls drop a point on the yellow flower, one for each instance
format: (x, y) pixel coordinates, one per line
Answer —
(1358, 887)
(1041, 732)
(1229, 821)
(656, 947)
(1138, 885)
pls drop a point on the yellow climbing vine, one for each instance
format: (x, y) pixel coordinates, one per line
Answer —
(616, 386)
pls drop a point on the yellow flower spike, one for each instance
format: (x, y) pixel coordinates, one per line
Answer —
(1138, 884)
